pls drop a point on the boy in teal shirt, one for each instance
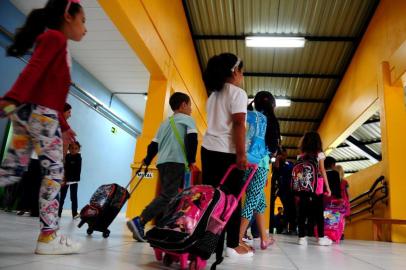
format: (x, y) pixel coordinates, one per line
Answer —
(171, 160)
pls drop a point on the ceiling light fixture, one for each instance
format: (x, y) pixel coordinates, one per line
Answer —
(280, 102)
(275, 42)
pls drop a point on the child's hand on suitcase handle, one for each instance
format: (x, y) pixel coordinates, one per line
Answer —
(193, 167)
(145, 162)
(242, 162)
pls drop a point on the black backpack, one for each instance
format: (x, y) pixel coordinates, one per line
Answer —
(305, 173)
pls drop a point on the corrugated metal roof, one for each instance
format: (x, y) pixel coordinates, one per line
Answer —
(376, 147)
(291, 87)
(368, 132)
(314, 58)
(309, 75)
(343, 153)
(290, 141)
(356, 165)
(316, 17)
(301, 110)
(292, 153)
(296, 127)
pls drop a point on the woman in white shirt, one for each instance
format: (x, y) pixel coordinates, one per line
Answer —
(224, 141)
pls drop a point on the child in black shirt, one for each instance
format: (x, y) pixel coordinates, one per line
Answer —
(73, 166)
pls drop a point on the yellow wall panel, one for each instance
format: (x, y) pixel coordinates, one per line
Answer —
(358, 89)
(366, 87)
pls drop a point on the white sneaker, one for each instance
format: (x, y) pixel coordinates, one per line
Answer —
(56, 245)
(302, 241)
(232, 253)
(257, 243)
(248, 241)
(325, 241)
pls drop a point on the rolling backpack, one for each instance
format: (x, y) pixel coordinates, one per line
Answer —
(305, 174)
(194, 220)
(255, 137)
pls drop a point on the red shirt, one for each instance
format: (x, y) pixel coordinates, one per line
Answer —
(46, 79)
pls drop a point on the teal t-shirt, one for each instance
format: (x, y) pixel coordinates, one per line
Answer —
(169, 149)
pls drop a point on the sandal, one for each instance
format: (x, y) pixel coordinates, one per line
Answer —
(265, 244)
(246, 246)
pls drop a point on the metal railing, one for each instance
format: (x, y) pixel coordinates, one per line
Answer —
(85, 97)
(370, 198)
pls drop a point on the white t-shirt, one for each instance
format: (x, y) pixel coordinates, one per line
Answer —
(220, 108)
(321, 156)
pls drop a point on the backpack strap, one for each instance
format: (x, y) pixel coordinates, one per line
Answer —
(177, 136)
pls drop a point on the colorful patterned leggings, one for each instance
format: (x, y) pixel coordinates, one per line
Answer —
(255, 195)
(37, 128)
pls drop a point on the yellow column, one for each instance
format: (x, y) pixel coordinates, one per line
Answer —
(156, 110)
(393, 125)
(158, 33)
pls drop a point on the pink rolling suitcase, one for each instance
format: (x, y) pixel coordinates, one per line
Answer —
(334, 220)
(193, 223)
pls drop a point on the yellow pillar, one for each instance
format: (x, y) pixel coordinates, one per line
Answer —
(393, 113)
(156, 110)
(158, 33)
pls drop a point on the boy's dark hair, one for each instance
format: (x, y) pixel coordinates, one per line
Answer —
(77, 143)
(51, 16)
(218, 70)
(311, 143)
(329, 162)
(176, 100)
(67, 107)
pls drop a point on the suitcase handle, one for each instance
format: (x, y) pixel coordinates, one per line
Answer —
(135, 175)
(254, 168)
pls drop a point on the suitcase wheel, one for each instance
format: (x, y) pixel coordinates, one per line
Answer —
(168, 260)
(158, 254)
(183, 262)
(106, 233)
(89, 231)
(197, 264)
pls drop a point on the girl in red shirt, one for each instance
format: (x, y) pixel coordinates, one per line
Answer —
(39, 95)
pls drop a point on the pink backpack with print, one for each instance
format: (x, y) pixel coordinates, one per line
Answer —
(195, 219)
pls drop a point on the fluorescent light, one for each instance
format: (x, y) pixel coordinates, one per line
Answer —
(281, 102)
(275, 42)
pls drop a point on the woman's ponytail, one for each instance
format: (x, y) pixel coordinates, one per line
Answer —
(26, 35)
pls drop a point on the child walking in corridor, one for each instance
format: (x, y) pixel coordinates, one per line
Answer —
(305, 175)
(171, 159)
(73, 167)
(39, 94)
